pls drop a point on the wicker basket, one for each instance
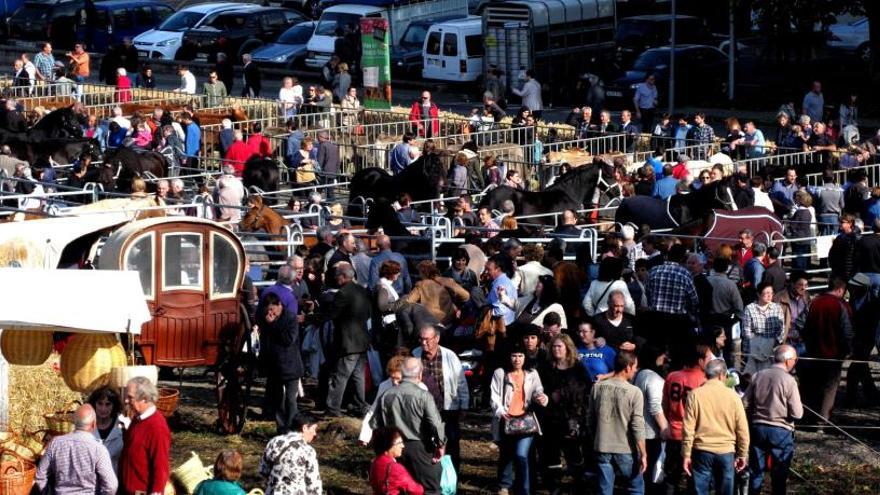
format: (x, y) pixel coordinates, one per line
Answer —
(17, 475)
(26, 348)
(87, 360)
(189, 474)
(60, 422)
(167, 402)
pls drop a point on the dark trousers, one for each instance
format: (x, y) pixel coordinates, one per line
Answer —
(282, 397)
(673, 467)
(647, 120)
(453, 436)
(652, 446)
(348, 368)
(554, 445)
(417, 458)
(778, 443)
(820, 390)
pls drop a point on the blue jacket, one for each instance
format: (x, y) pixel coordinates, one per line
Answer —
(193, 140)
(285, 294)
(403, 284)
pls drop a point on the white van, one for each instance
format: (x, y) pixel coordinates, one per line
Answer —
(321, 45)
(453, 50)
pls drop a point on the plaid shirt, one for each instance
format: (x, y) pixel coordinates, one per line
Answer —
(671, 289)
(76, 463)
(433, 368)
(704, 133)
(45, 65)
(762, 322)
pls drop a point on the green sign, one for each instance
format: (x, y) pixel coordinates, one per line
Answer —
(376, 63)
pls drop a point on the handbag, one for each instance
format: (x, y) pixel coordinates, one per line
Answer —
(520, 426)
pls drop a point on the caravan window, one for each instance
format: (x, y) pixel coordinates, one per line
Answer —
(474, 45)
(450, 45)
(433, 43)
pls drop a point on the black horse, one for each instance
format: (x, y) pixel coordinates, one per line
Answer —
(680, 211)
(422, 179)
(128, 163)
(572, 190)
(262, 173)
(57, 124)
(383, 216)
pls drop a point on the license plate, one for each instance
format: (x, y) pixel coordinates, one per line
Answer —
(615, 93)
(202, 57)
(143, 53)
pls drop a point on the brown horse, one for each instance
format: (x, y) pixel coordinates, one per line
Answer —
(261, 217)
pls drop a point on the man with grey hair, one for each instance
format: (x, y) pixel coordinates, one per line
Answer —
(403, 284)
(411, 409)
(77, 462)
(144, 462)
(361, 261)
(325, 242)
(345, 249)
(283, 288)
(350, 311)
(253, 79)
(773, 403)
(715, 436)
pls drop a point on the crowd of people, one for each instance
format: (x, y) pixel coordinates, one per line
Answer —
(654, 366)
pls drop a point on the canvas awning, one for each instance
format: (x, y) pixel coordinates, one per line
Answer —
(100, 301)
(51, 235)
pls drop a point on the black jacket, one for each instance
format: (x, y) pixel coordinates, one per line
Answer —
(253, 80)
(350, 311)
(226, 74)
(279, 346)
(842, 255)
(868, 253)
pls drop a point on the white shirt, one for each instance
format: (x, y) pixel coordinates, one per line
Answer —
(122, 121)
(531, 95)
(187, 83)
(762, 199)
(291, 95)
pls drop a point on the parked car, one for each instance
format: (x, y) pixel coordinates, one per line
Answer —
(237, 32)
(164, 41)
(289, 50)
(701, 75)
(53, 20)
(851, 38)
(406, 56)
(453, 51)
(115, 20)
(636, 34)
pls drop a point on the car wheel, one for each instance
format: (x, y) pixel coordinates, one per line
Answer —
(864, 52)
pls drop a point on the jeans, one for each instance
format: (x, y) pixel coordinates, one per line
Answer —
(779, 444)
(347, 367)
(514, 457)
(452, 427)
(829, 223)
(875, 283)
(79, 87)
(707, 468)
(628, 468)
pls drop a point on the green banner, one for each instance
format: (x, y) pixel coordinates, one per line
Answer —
(376, 63)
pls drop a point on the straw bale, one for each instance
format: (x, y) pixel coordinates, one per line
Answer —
(35, 391)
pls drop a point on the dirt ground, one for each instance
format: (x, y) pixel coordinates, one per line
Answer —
(825, 463)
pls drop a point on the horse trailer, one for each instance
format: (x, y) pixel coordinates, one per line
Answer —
(558, 39)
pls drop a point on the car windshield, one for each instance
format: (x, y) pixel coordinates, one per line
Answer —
(627, 30)
(414, 37)
(651, 59)
(330, 21)
(181, 21)
(297, 35)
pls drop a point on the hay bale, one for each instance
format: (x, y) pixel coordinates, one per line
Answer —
(35, 391)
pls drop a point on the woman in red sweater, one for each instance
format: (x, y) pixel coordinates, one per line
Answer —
(387, 476)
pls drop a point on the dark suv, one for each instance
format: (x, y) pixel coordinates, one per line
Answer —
(636, 34)
(46, 20)
(237, 32)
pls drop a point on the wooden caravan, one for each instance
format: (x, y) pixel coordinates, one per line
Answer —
(191, 271)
